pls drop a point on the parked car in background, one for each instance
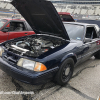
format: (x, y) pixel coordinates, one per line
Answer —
(14, 28)
(66, 17)
(90, 21)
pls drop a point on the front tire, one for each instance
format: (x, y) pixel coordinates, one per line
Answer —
(65, 72)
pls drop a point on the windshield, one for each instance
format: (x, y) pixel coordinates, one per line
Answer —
(75, 32)
(2, 22)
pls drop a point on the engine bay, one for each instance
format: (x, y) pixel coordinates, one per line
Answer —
(33, 46)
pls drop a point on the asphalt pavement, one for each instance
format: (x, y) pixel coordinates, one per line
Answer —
(84, 85)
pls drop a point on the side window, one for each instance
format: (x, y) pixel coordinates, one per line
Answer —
(91, 33)
(17, 26)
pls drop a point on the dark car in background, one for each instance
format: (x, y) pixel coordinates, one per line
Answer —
(90, 21)
(66, 17)
(55, 49)
(14, 28)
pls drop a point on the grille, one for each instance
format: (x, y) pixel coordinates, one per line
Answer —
(11, 57)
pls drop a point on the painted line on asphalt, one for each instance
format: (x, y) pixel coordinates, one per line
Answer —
(79, 92)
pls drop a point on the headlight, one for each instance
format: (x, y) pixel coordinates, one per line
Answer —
(1, 51)
(31, 65)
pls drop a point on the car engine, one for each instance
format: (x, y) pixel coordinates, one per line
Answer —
(32, 46)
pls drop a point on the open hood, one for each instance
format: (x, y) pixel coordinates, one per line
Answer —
(42, 17)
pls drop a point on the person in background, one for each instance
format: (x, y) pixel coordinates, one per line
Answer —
(13, 16)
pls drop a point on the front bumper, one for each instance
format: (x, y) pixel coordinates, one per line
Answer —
(27, 76)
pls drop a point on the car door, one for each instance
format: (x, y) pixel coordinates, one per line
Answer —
(18, 29)
(3, 36)
(89, 47)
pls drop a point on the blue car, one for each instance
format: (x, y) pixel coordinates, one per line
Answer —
(55, 49)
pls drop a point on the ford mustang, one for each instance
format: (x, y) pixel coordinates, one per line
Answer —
(55, 49)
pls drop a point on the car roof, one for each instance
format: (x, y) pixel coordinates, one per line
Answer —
(14, 19)
(78, 23)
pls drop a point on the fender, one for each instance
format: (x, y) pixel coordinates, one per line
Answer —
(70, 55)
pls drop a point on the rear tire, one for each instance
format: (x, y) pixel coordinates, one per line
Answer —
(65, 72)
(97, 55)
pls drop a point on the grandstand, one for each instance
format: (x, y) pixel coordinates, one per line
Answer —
(84, 8)
(78, 8)
(7, 10)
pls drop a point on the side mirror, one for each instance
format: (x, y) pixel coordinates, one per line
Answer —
(5, 29)
(87, 40)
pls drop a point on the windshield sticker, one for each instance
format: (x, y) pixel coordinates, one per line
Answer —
(78, 38)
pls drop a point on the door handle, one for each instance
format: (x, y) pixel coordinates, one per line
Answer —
(26, 33)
